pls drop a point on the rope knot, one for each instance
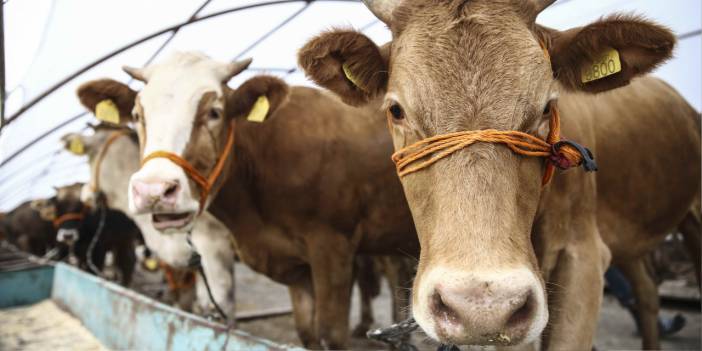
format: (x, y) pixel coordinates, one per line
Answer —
(567, 154)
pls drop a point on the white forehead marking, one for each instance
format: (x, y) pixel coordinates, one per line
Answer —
(171, 96)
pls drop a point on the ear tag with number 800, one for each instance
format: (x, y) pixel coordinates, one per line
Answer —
(259, 111)
(107, 111)
(605, 64)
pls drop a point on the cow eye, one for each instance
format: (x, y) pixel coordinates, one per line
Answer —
(214, 114)
(395, 112)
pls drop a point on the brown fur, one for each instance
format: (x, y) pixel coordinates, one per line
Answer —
(339, 196)
(91, 93)
(642, 45)
(275, 90)
(475, 65)
(323, 57)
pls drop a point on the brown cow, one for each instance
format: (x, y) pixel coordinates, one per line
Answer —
(303, 192)
(496, 245)
(25, 227)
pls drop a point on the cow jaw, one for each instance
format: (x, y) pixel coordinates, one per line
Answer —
(179, 221)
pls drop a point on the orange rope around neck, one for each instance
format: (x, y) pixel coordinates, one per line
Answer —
(95, 181)
(205, 184)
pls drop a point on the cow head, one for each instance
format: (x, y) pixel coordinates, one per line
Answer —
(67, 212)
(472, 65)
(186, 110)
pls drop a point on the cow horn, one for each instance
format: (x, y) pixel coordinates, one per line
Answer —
(235, 68)
(382, 9)
(136, 73)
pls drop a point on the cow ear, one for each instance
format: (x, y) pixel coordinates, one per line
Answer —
(104, 96)
(348, 63)
(76, 143)
(587, 58)
(258, 98)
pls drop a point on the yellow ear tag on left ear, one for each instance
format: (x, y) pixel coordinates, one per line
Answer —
(605, 65)
(151, 264)
(76, 147)
(259, 111)
(107, 111)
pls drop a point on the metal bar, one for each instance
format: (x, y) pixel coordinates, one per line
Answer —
(2, 66)
(173, 34)
(690, 34)
(272, 31)
(100, 60)
(42, 136)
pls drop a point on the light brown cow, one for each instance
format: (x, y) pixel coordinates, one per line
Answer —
(504, 260)
(303, 192)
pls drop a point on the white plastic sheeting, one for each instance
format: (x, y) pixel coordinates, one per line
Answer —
(46, 40)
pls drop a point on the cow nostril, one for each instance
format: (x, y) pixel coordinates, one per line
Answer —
(523, 313)
(171, 190)
(441, 310)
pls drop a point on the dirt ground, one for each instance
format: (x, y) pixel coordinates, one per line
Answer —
(616, 329)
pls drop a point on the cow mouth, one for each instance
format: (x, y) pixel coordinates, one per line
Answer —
(163, 221)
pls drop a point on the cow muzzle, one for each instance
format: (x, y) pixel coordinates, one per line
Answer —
(502, 309)
(162, 190)
(67, 236)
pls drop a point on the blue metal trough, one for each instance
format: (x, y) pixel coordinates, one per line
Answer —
(120, 318)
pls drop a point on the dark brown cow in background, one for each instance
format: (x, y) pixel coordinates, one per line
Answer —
(302, 192)
(25, 228)
(504, 259)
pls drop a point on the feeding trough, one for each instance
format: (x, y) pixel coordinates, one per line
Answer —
(115, 317)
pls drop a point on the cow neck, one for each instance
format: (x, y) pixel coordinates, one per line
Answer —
(235, 197)
(111, 138)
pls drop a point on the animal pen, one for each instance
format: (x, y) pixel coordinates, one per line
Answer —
(62, 298)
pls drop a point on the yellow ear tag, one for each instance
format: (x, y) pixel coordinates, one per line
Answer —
(151, 264)
(606, 64)
(259, 111)
(76, 147)
(107, 111)
(349, 75)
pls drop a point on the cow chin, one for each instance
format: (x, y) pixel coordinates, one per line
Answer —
(501, 308)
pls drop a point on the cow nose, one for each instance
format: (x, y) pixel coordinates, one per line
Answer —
(147, 194)
(67, 235)
(484, 312)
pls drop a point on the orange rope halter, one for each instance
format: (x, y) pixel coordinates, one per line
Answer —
(175, 281)
(564, 154)
(205, 184)
(95, 181)
(73, 216)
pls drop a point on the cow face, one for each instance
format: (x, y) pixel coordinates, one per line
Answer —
(69, 211)
(471, 65)
(182, 110)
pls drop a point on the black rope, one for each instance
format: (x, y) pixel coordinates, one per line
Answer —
(196, 261)
(101, 224)
(396, 335)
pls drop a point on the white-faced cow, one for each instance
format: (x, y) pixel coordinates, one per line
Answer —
(113, 154)
(303, 192)
(477, 97)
